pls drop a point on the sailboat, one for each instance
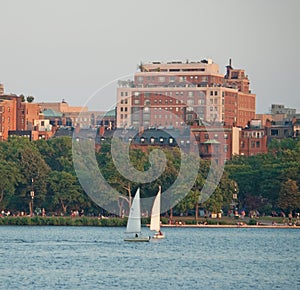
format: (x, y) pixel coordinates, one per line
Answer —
(134, 221)
(155, 217)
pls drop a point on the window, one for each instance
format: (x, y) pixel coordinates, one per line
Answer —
(190, 102)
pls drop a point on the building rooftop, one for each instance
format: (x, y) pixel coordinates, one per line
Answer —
(52, 113)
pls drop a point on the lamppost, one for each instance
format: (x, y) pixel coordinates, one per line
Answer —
(32, 196)
(234, 201)
(234, 196)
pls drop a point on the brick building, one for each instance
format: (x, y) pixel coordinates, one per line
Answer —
(253, 139)
(176, 93)
(10, 110)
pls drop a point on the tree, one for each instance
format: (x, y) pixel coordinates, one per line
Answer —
(22, 98)
(30, 99)
(31, 166)
(215, 202)
(289, 196)
(57, 153)
(64, 191)
(10, 176)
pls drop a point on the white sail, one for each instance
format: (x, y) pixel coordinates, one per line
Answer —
(155, 214)
(134, 219)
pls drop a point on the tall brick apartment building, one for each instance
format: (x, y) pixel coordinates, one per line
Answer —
(176, 93)
(21, 119)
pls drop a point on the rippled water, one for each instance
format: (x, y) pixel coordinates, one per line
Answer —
(189, 258)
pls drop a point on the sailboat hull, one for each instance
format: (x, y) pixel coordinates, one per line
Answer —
(138, 239)
(158, 236)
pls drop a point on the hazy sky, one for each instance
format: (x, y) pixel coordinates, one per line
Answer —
(70, 49)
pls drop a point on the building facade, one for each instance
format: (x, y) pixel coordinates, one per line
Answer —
(176, 93)
(10, 111)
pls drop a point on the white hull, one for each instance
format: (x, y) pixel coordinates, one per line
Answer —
(138, 239)
(158, 236)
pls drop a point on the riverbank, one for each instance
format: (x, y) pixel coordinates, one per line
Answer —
(225, 222)
(294, 226)
(61, 221)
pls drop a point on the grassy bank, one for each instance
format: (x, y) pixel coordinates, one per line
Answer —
(61, 221)
(121, 222)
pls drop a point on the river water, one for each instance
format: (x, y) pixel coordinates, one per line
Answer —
(188, 258)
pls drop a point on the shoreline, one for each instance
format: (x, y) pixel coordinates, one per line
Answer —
(233, 226)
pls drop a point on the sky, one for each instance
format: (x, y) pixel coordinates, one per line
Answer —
(76, 50)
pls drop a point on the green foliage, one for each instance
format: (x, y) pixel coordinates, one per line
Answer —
(264, 182)
(260, 178)
(252, 222)
(61, 221)
(289, 196)
(30, 99)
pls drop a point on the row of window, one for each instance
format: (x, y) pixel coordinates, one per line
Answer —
(171, 79)
(189, 102)
(177, 109)
(216, 148)
(168, 93)
(2, 109)
(124, 101)
(253, 144)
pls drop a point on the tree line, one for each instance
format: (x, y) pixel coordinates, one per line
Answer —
(267, 183)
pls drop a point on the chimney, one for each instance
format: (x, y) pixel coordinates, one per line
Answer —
(77, 129)
(268, 123)
(228, 69)
(141, 130)
(101, 131)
